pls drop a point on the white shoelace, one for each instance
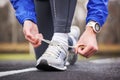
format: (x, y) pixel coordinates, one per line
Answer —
(58, 46)
(55, 43)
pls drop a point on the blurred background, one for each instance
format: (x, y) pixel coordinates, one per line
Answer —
(14, 46)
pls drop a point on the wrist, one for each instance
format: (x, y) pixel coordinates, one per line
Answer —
(27, 21)
(28, 24)
(90, 30)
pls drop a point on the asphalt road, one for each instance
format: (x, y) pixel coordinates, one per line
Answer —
(101, 69)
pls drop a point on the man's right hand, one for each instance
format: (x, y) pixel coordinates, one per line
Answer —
(31, 33)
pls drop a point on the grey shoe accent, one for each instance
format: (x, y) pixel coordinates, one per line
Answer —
(72, 40)
(72, 57)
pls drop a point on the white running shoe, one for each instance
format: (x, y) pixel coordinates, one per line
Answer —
(55, 57)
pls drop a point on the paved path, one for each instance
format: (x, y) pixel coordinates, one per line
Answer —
(101, 69)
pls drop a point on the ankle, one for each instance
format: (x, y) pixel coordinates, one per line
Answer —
(60, 37)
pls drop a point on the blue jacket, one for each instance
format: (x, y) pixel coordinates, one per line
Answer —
(25, 10)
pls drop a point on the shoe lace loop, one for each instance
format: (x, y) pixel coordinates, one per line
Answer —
(57, 49)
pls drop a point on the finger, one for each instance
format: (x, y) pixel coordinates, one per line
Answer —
(39, 37)
(79, 46)
(30, 39)
(85, 50)
(94, 49)
(36, 44)
(91, 53)
(29, 33)
(39, 40)
(76, 49)
(88, 54)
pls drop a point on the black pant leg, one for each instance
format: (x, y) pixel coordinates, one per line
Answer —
(71, 12)
(44, 22)
(62, 12)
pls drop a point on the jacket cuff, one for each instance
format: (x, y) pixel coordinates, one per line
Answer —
(26, 16)
(99, 21)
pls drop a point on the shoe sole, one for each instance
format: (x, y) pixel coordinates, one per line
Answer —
(43, 65)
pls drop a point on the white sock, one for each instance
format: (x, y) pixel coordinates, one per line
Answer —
(61, 38)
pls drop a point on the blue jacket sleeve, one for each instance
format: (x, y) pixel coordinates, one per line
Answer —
(97, 11)
(24, 10)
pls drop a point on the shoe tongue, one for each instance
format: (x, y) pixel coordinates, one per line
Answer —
(55, 43)
(60, 40)
(60, 37)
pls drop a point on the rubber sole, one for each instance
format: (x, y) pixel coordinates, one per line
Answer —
(43, 65)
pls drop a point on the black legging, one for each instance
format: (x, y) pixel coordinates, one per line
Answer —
(53, 16)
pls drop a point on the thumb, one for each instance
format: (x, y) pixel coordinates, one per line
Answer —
(39, 37)
(29, 36)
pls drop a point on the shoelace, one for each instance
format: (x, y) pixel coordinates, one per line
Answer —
(57, 45)
(55, 53)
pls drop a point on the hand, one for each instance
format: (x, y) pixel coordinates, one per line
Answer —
(89, 42)
(31, 33)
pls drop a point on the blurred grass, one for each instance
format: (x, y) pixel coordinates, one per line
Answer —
(14, 47)
(20, 51)
(17, 56)
(109, 47)
(26, 56)
(24, 48)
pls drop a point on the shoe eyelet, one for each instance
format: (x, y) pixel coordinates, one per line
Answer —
(60, 52)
